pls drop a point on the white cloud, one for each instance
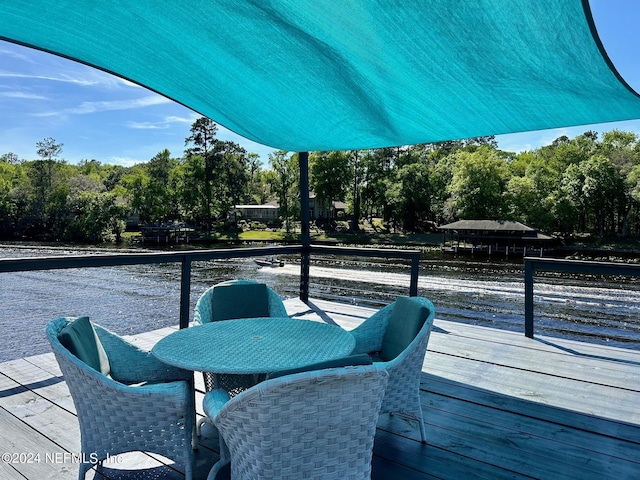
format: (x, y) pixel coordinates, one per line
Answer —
(23, 95)
(71, 72)
(164, 124)
(61, 78)
(104, 106)
(8, 52)
(124, 161)
(147, 125)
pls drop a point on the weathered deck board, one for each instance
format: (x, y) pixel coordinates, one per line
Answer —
(496, 405)
(30, 454)
(533, 444)
(448, 389)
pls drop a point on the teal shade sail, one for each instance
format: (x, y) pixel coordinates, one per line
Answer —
(303, 75)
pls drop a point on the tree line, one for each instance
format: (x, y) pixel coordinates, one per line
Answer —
(581, 185)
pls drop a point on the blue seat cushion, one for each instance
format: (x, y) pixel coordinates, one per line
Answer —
(81, 339)
(242, 300)
(406, 320)
(350, 361)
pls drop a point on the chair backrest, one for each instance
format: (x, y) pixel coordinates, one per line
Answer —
(238, 299)
(80, 338)
(64, 355)
(407, 318)
(319, 424)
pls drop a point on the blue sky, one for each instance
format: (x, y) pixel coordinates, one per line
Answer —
(99, 116)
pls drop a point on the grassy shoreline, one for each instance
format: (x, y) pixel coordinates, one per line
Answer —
(580, 248)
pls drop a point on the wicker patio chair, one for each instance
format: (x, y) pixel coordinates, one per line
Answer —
(232, 300)
(313, 425)
(412, 320)
(135, 403)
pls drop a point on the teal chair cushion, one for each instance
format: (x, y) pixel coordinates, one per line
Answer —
(350, 361)
(405, 321)
(80, 338)
(243, 300)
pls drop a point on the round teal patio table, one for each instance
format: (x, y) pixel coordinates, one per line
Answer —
(254, 345)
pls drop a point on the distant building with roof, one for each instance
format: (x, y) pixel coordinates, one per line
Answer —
(492, 236)
(266, 212)
(271, 210)
(319, 210)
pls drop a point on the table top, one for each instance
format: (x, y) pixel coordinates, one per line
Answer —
(255, 345)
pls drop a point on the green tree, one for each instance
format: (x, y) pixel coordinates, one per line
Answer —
(135, 181)
(159, 191)
(440, 176)
(594, 187)
(330, 176)
(286, 170)
(266, 186)
(233, 176)
(42, 174)
(411, 196)
(478, 184)
(202, 142)
(202, 138)
(254, 168)
(193, 193)
(376, 167)
(602, 189)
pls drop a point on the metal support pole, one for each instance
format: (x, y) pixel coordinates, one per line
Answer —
(185, 292)
(305, 238)
(528, 298)
(413, 286)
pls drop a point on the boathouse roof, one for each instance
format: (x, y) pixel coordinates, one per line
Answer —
(492, 228)
(488, 225)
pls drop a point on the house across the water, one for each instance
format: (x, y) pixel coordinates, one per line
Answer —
(493, 236)
(263, 213)
(271, 211)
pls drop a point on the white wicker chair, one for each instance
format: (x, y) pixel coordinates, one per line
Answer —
(204, 314)
(313, 425)
(116, 417)
(403, 391)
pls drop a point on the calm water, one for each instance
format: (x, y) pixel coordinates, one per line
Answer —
(487, 292)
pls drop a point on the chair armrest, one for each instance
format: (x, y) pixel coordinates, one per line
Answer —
(102, 393)
(113, 400)
(213, 402)
(203, 312)
(131, 364)
(369, 334)
(276, 307)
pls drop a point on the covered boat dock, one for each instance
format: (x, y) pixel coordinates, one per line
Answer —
(493, 237)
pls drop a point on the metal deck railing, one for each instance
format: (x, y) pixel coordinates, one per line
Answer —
(186, 258)
(533, 265)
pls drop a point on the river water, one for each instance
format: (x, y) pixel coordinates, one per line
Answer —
(480, 291)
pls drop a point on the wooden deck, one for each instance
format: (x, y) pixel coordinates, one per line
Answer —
(496, 405)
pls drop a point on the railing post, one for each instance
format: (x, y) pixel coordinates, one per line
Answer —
(185, 291)
(528, 298)
(413, 286)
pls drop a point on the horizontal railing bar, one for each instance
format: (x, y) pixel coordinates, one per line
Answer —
(582, 266)
(366, 252)
(111, 260)
(186, 258)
